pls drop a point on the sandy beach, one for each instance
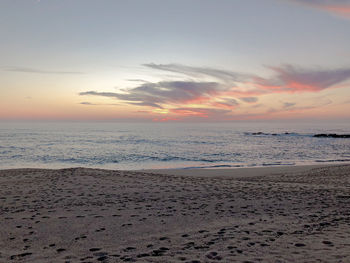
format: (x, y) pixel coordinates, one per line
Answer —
(284, 214)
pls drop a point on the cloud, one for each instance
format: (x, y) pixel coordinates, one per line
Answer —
(288, 104)
(249, 99)
(291, 107)
(226, 103)
(39, 71)
(289, 78)
(315, 105)
(95, 93)
(285, 78)
(222, 75)
(87, 103)
(337, 7)
(98, 104)
(137, 80)
(199, 112)
(207, 92)
(164, 92)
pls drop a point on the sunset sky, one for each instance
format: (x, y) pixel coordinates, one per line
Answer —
(174, 60)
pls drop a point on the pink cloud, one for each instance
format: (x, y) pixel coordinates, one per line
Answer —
(291, 79)
(227, 92)
(199, 112)
(337, 7)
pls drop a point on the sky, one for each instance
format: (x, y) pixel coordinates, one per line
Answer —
(168, 61)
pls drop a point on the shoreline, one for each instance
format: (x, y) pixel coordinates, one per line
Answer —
(234, 172)
(241, 171)
(185, 169)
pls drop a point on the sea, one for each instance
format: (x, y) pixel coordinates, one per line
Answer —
(137, 146)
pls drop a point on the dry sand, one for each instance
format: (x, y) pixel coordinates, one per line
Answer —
(299, 214)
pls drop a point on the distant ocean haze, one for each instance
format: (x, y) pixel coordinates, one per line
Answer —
(131, 146)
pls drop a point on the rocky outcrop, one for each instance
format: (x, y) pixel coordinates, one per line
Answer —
(332, 135)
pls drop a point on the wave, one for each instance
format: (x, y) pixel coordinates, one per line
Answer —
(198, 147)
(332, 160)
(238, 165)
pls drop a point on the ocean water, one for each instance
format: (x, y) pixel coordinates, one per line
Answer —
(132, 146)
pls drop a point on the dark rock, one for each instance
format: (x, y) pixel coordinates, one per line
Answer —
(331, 135)
(258, 133)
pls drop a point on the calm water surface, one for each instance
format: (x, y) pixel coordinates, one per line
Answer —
(169, 145)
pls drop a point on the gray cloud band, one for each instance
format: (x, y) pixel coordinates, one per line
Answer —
(39, 71)
(286, 78)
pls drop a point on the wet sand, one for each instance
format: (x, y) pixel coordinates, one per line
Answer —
(289, 214)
